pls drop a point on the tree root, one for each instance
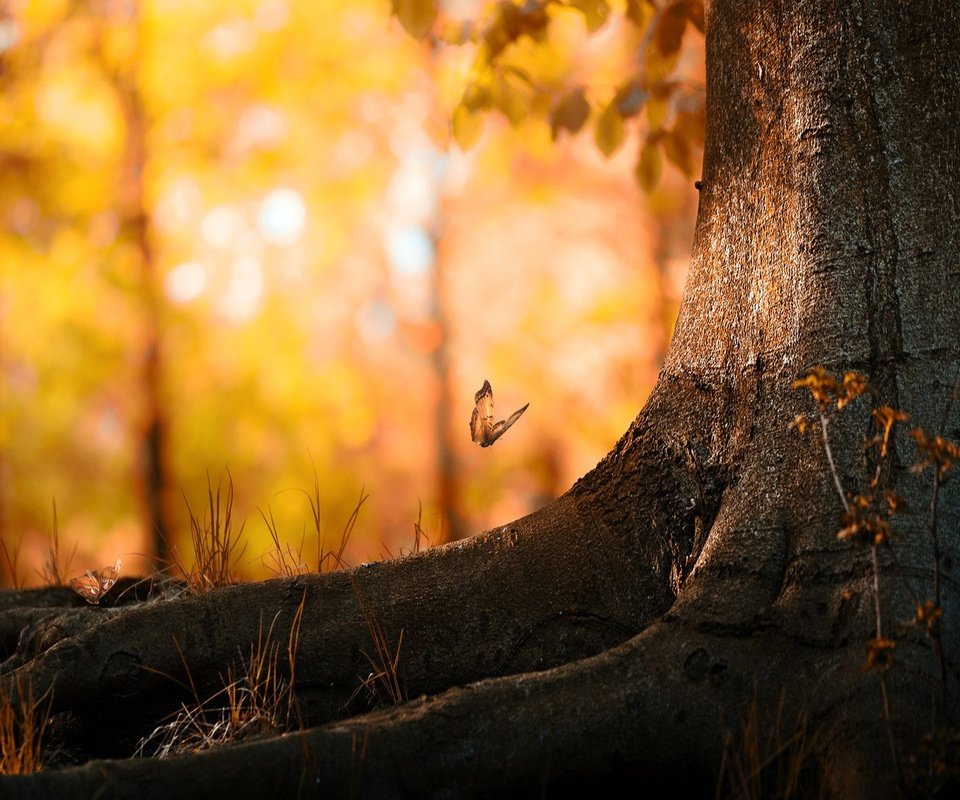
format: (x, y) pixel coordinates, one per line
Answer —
(651, 713)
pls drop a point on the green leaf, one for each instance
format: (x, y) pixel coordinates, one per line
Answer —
(569, 114)
(595, 12)
(416, 16)
(649, 166)
(670, 30)
(466, 125)
(609, 131)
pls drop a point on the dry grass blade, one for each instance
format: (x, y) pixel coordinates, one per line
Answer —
(419, 535)
(329, 560)
(55, 570)
(283, 559)
(256, 698)
(288, 560)
(382, 685)
(12, 563)
(357, 756)
(23, 720)
(755, 767)
(216, 548)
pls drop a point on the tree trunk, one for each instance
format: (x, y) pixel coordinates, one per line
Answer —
(153, 445)
(694, 577)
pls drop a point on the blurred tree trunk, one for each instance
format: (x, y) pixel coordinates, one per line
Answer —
(448, 480)
(693, 581)
(448, 472)
(135, 225)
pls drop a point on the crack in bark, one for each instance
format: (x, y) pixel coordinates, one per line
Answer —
(884, 312)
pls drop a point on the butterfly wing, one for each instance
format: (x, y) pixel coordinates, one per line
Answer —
(483, 430)
(481, 421)
(88, 587)
(107, 577)
(504, 425)
(91, 586)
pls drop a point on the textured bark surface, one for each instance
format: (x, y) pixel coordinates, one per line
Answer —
(613, 638)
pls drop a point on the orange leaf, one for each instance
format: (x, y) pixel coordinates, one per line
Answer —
(570, 113)
(671, 28)
(466, 126)
(695, 13)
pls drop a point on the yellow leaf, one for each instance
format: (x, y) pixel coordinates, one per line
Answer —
(656, 112)
(511, 97)
(649, 166)
(609, 131)
(466, 126)
(677, 151)
(639, 12)
(455, 32)
(416, 16)
(476, 97)
(595, 12)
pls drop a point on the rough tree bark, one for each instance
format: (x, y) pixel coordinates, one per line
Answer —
(614, 637)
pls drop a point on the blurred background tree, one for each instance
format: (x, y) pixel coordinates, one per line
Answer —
(277, 237)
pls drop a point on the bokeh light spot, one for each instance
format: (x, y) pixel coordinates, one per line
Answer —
(283, 217)
(220, 226)
(186, 282)
(375, 321)
(410, 249)
(9, 34)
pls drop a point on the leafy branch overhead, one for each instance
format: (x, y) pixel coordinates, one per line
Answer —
(516, 71)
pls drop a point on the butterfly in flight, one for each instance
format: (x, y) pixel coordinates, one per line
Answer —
(91, 586)
(483, 430)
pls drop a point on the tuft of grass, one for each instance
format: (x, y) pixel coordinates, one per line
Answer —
(382, 686)
(358, 755)
(780, 764)
(933, 769)
(11, 563)
(332, 560)
(419, 535)
(216, 547)
(23, 721)
(55, 569)
(256, 698)
(285, 559)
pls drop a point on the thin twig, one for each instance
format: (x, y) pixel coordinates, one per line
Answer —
(833, 467)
